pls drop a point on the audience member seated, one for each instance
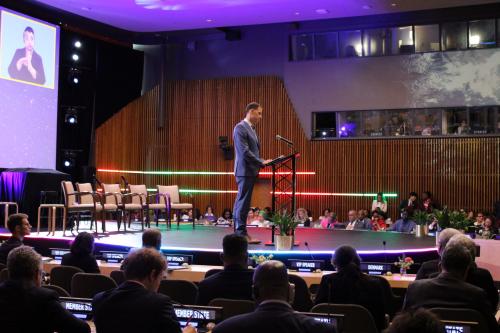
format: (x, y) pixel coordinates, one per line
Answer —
(81, 254)
(449, 289)
(274, 314)
(209, 215)
(151, 239)
(379, 205)
(302, 217)
(268, 214)
(364, 220)
(19, 227)
(432, 266)
(351, 286)
(378, 222)
(135, 305)
(429, 204)
(404, 224)
(488, 229)
(235, 281)
(326, 214)
(330, 222)
(419, 321)
(479, 220)
(251, 216)
(226, 218)
(25, 306)
(411, 204)
(354, 223)
(434, 224)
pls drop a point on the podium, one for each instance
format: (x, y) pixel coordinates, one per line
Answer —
(284, 180)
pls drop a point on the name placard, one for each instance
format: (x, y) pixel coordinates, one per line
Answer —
(375, 268)
(305, 265)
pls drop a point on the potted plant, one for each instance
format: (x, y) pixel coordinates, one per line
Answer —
(286, 225)
(459, 220)
(421, 218)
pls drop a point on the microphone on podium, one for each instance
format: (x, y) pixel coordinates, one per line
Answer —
(280, 138)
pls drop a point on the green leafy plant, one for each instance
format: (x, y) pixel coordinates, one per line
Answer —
(421, 217)
(285, 223)
(443, 217)
(459, 220)
(259, 259)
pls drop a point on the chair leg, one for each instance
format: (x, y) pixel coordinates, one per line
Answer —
(38, 223)
(77, 222)
(103, 221)
(65, 216)
(49, 221)
(178, 218)
(141, 216)
(129, 218)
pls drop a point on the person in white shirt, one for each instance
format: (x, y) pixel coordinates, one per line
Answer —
(379, 205)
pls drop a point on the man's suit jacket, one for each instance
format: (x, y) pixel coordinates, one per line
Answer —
(24, 74)
(35, 309)
(476, 276)
(233, 282)
(132, 308)
(247, 147)
(446, 291)
(272, 317)
(7, 246)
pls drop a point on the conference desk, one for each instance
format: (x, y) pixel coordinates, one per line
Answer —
(196, 273)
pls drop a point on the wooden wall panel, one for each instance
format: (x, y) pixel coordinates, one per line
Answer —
(461, 172)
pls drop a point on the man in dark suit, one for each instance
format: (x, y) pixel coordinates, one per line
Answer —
(19, 226)
(235, 281)
(27, 65)
(449, 289)
(135, 305)
(246, 165)
(432, 266)
(25, 306)
(274, 313)
(411, 204)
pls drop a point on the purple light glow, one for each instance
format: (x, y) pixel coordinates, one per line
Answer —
(12, 185)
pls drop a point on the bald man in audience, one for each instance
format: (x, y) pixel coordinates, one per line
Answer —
(274, 314)
(432, 266)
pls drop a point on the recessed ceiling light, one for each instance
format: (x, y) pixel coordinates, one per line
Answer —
(322, 11)
(367, 7)
(297, 13)
(209, 20)
(394, 4)
(86, 8)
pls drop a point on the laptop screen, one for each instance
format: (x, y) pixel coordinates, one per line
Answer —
(459, 327)
(334, 319)
(80, 307)
(198, 316)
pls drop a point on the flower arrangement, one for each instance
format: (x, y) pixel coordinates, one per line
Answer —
(404, 263)
(259, 259)
(285, 223)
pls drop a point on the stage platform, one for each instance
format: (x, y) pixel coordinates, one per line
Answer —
(205, 242)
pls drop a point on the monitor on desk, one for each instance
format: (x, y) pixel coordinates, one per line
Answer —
(197, 316)
(459, 326)
(330, 318)
(81, 308)
(57, 254)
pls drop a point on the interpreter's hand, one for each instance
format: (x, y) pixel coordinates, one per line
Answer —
(21, 62)
(189, 329)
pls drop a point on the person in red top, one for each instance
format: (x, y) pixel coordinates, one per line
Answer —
(378, 222)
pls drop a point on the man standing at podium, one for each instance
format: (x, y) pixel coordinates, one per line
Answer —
(246, 166)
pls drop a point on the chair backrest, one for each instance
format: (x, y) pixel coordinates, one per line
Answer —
(2, 266)
(302, 301)
(184, 292)
(141, 190)
(393, 302)
(233, 307)
(172, 191)
(357, 319)
(4, 275)
(85, 198)
(60, 291)
(67, 188)
(86, 285)
(61, 276)
(118, 276)
(212, 271)
(112, 188)
(456, 316)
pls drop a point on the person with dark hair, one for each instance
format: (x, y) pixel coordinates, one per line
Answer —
(419, 321)
(82, 254)
(26, 64)
(404, 224)
(19, 226)
(273, 293)
(25, 306)
(449, 289)
(246, 165)
(151, 238)
(411, 204)
(226, 218)
(429, 204)
(235, 280)
(351, 286)
(135, 305)
(379, 205)
(488, 229)
(209, 214)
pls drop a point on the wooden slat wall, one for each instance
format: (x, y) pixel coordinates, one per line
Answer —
(461, 172)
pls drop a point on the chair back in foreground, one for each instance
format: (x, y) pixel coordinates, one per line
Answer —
(60, 291)
(302, 301)
(461, 320)
(118, 276)
(86, 285)
(180, 291)
(4, 275)
(233, 307)
(61, 276)
(357, 319)
(213, 271)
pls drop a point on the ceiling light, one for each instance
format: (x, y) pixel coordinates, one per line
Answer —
(322, 11)
(475, 39)
(75, 57)
(209, 20)
(78, 44)
(297, 13)
(367, 7)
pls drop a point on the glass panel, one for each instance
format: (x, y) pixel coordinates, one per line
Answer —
(427, 122)
(482, 34)
(376, 42)
(402, 40)
(456, 121)
(302, 47)
(427, 38)
(454, 36)
(482, 120)
(373, 123)
(324, 125)
(348, 124)
(350, 44)
(398, 123)
(326, 45)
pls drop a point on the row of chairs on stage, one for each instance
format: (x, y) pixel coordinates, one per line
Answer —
(111, 200)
